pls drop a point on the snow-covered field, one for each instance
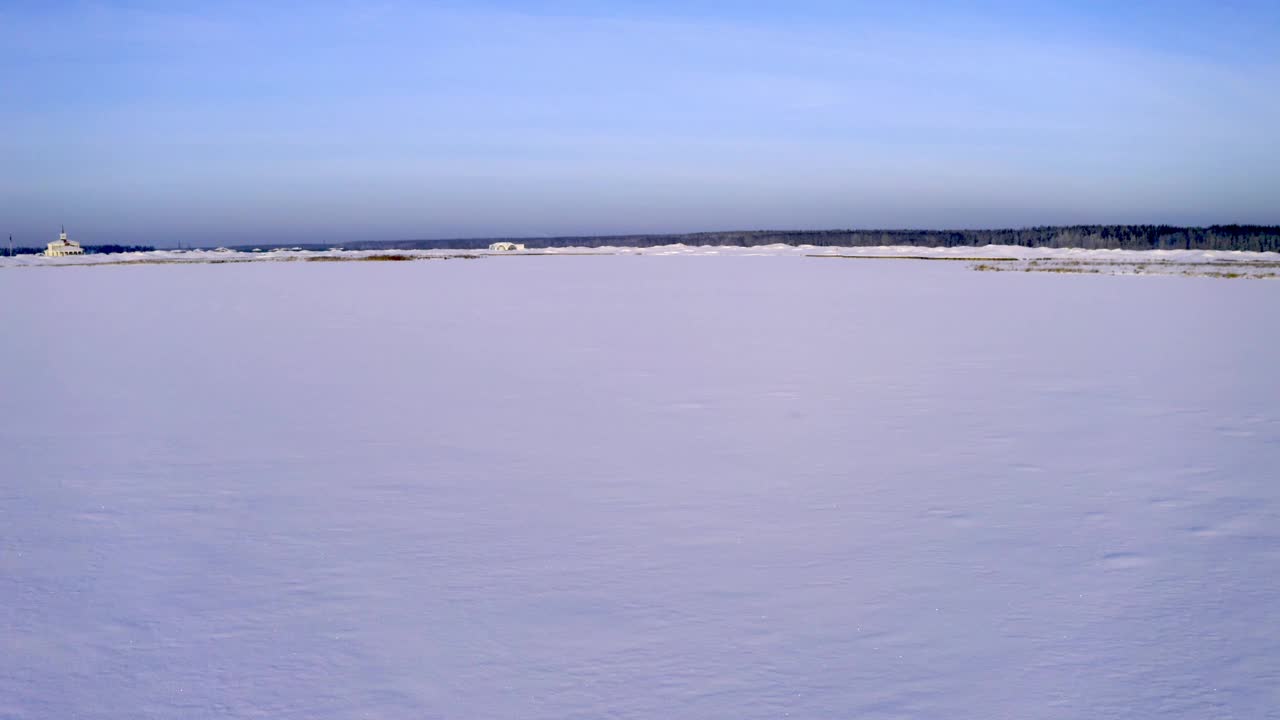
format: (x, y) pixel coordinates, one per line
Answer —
(681, 486)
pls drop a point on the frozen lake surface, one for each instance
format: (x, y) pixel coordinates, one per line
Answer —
(637, 487)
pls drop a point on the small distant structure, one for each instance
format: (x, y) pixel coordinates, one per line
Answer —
(506, 246)
(63, 247)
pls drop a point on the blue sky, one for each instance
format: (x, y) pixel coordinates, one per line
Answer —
(327, 122)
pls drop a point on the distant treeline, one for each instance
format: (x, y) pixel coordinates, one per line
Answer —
(108, 249)
(1126, 237)
(88, 249)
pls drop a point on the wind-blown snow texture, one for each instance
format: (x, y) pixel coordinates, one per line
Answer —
(637, 487)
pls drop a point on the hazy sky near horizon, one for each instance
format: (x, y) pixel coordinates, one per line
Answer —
(244, 122)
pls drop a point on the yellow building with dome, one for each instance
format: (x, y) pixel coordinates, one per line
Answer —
(63, 247)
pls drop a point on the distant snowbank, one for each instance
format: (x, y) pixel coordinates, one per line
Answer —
(957, 253)
(991, 252)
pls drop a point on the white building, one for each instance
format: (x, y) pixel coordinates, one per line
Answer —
(62, 246)
(506, 246)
